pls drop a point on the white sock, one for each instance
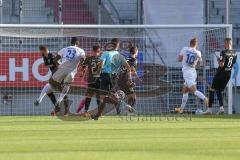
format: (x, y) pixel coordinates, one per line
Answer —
(63, 94)
(46, 89)
(199, 95)
(184, 100)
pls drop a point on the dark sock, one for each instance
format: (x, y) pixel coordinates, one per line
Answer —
(66, 104)
(211, 99)
(100, 109)
(52, 98)
(98, 100)
(87, 103)
(220, 98)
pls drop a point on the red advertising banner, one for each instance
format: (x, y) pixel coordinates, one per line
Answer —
(25, 70)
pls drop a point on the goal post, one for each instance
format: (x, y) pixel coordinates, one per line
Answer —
(22, 73)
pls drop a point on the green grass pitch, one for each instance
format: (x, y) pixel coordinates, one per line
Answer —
(48, 138)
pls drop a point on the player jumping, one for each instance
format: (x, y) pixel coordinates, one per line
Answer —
(49, 61)
(93, 69)
(71, 57)
(228, 58)
(190, 56)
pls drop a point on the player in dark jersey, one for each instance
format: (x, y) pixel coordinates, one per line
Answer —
(92, 65)
(50, 62)
(125, 81)
(228, 58)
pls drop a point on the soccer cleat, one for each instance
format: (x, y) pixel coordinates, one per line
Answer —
(55, 111)
(208, 111)
(130, 109)
(95, 117)
(220, 111)
(179, 110)
(36, 103)
(206, 102)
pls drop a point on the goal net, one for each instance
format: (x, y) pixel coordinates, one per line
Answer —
(23, 74)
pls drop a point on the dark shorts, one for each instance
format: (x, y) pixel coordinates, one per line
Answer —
(106, 82)
(220, 80)
(56, 85)
(93, 87)
(126, 89)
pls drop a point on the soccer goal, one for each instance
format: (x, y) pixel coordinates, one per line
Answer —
(22, 73)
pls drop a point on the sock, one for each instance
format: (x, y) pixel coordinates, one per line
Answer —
(100, 109)
(87, 103)
(52, 98)
(220, 98)
(184, 100)
(46, 89)
(199, 95)
(98, 100)
(66, 104)
(211, 99)
(64, 93)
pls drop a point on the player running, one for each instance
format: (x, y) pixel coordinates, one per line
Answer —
(71, 57)
(49, 62)
(227, 59)
(93, 69)
(190, 56)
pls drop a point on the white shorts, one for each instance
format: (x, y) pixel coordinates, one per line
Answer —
(190, 77)
(64, 75)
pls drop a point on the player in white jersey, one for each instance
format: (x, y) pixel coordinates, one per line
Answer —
(190, 57)
(71, 57)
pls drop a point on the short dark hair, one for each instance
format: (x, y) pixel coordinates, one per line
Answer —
(110, 46)
(115, 40)
(133, 49)
(96, 47)
(193, 41)
(74, 41)
(43, 48)
(227, 39)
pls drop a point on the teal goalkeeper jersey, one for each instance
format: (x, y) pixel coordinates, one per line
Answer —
(107, 58)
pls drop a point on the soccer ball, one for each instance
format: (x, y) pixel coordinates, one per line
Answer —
(120, 95)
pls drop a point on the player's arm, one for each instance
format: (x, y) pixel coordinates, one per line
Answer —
(102, 61)
(134, 71)
(58, 56)
(221, 60)
(180, 55)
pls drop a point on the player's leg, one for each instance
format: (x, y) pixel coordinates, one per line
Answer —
(90, 92)
(67, 104)
(46, 89)
(220, 100)
(217, 86)
(190, 81)
(107, 99)
(52, 97)
(65, 89)
(199, 94)
(105, 86)
(65, 86)
(184, 100)
(131, 101)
